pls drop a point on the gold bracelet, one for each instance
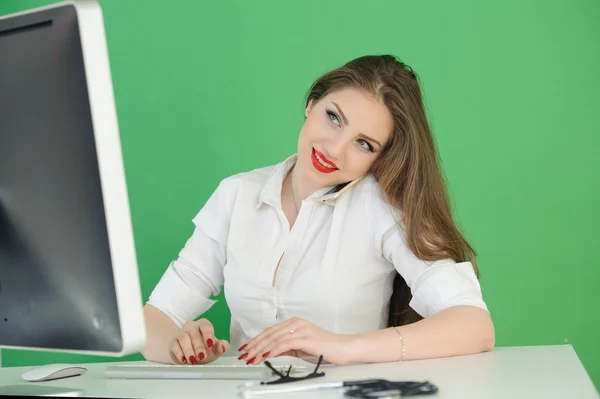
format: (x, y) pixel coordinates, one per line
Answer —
(402, 341)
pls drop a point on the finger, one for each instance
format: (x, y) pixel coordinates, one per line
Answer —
(197, 341)
(225, 345)
(208, 332)
(220, 347)
(255, 347)
(261, 336)
(263, 348)
(177, 355)
(275, 329)
(185, 342)
(285, 345)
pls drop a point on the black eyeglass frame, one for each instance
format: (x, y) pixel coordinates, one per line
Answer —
(284, 378)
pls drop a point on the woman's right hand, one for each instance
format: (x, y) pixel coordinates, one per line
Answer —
(196, 343)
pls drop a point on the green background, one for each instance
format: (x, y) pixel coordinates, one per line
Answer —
(208, 89)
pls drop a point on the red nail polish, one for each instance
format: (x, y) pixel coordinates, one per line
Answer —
(210, 343)
(201, 356)
(250, 361)
(245, 355)
(267, 354)
(193, 360)
(183, 360)
(243, 347)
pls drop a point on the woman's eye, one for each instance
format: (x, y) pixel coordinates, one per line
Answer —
(365, 144)
(333, 117)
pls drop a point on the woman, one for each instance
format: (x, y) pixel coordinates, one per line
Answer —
(347, 249)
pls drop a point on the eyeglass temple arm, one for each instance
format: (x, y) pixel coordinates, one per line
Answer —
(318, 364)
(269, 365)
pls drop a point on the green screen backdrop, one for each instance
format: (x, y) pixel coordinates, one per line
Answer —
(206, 89)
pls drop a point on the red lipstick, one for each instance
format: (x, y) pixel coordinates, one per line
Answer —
(319, 166)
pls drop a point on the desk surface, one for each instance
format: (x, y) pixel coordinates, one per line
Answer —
(506, 372)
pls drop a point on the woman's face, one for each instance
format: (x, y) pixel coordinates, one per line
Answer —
(342, 136)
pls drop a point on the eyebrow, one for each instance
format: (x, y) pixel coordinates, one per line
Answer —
(364, 136)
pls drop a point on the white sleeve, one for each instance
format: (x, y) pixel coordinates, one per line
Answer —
(435, 286)
(184, 290)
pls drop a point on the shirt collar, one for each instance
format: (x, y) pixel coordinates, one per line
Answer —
(271, 192)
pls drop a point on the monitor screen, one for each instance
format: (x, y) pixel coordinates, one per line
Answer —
(65, 282)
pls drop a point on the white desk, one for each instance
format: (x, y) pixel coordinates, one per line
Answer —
(508, 372)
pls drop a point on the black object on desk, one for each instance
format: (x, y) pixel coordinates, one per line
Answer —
(288, 378)
(363, 389)
(372, 389)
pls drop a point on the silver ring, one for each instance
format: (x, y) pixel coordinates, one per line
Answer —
(292, 332)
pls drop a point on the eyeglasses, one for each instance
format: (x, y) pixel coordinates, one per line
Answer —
(283, 378)
(363, 389)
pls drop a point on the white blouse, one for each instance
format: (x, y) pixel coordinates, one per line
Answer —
(338, 265)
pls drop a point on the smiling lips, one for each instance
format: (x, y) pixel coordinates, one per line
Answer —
(321, 163)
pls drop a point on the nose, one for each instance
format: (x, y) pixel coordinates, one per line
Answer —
(335, 147)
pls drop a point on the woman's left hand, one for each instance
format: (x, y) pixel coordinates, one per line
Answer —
(297, 335)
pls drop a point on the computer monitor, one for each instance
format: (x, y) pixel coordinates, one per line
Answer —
(68, 270)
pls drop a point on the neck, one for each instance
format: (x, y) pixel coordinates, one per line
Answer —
(301, 186)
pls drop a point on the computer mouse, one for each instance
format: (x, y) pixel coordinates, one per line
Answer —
(53, 372)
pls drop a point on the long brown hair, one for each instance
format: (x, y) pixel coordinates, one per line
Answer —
(407, 170)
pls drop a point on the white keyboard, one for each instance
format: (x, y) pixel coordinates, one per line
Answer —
(197, 372)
